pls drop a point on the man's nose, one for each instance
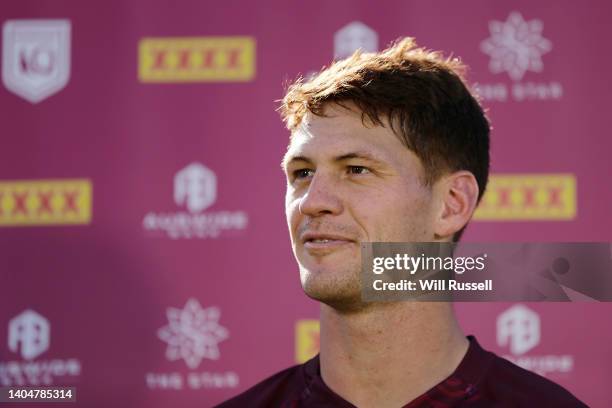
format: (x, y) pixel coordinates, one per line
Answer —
(322, 197)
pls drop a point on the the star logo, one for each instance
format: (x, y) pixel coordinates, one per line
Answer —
(193, 333)
(516, 46)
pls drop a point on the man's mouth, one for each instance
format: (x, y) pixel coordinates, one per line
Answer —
(320, 241)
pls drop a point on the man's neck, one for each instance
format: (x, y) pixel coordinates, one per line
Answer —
(391, 354)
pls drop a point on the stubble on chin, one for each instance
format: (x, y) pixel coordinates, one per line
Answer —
(341, 292)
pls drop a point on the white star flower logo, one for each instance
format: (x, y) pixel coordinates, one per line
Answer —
(516, 46)
(193, 333)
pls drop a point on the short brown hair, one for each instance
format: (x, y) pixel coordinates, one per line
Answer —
(423, 96)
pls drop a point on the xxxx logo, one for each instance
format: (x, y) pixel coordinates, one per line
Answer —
(529, 197)
(196, 59)
(45, 202)
(306, 339)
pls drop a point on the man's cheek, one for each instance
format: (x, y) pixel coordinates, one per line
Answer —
(293, 217)
(368, 225)
(288, 201)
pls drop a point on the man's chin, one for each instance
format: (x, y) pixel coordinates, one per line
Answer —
(338, 265)
(342, 304)
(342, 296)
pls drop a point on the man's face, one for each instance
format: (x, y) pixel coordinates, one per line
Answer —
(347, 184)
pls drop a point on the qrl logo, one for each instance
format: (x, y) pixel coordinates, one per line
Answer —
(195, 185)
(36, 57)
(519, 327)
(31, 330)
(37, 61)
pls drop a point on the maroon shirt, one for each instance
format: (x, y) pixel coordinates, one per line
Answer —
(481, 380)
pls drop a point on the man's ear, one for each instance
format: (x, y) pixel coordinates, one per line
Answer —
(458, 195)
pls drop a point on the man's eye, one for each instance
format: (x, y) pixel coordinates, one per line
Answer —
(358, 170)
(302, 173)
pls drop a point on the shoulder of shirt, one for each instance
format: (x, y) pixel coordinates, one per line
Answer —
(506, 381)
(273, 391)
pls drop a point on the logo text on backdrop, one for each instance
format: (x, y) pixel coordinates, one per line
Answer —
(195, 187)
(516, 47)
(519, 328)
(192, 334)
(29, 335)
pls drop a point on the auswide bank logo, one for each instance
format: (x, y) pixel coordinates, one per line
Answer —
(306, 339)
(192, 334)
(523, 197)
(45, 202)
(35, 57)
(519, 329)
(354, 36)
(516, 46)
(350, 38)
(195, 188)
(29, 336)
(196, 59)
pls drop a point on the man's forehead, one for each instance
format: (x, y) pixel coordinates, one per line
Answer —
(316, 141)
(332, 117)
(340, 125)
(336, 138)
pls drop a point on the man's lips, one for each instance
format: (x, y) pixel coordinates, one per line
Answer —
(318, 240)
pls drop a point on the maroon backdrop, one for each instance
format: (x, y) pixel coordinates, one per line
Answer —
(144, 256)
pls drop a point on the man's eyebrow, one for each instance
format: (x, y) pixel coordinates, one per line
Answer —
(348, 156)
(288, 159)
(360, 155)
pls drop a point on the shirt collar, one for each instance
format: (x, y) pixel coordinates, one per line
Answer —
(462, 384)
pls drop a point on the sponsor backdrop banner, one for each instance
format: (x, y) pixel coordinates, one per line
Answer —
(144, 256)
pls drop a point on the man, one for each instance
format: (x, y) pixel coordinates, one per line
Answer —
(387, 147)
